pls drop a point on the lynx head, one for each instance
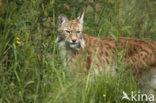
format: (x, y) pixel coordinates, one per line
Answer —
(71, 32)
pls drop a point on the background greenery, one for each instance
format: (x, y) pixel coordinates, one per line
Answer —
(32, 72)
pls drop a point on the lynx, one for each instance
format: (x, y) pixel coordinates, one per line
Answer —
(102, 53)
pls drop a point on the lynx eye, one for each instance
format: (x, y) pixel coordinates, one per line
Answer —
(68, 31)
(78, 31)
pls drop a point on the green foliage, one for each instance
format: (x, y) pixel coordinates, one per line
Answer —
(30, 69)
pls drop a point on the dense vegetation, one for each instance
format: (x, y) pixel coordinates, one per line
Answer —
(32, 72)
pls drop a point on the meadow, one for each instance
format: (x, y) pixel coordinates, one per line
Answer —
(31, 70)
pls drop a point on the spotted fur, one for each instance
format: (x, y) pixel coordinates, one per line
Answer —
(84, 51)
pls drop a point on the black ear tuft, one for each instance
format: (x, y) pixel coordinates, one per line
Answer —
(81, 18)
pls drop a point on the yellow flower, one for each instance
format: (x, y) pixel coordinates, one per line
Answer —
(104, 95)
(17, 38)
(18, 42)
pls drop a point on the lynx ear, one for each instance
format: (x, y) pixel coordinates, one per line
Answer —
(78, 17)
(81, 18)
(62, 20)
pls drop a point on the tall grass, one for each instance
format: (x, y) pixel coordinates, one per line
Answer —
(32, 72)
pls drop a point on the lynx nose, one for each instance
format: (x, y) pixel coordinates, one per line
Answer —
(74, 40)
